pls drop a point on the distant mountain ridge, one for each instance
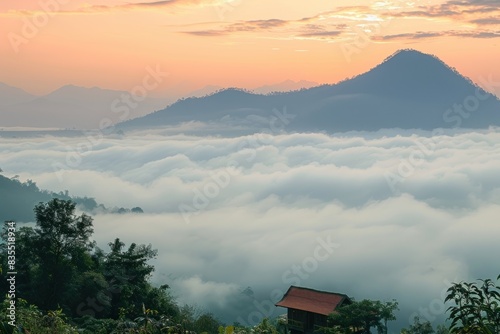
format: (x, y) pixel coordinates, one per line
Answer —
(70, 107)
(19, 199)
(74, 107)
(408, 90)
(285, 86)
(11, 95)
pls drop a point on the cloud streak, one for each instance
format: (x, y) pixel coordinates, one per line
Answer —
(244, 26)
(337, 24)
(426, 35)
(319, 26)
(455, 10)
(96, 9)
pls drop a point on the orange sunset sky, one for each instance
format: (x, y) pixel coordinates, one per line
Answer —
(46, 44)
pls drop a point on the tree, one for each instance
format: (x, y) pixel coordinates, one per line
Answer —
(62, 243)
(360, 317)
(476, 307)
(442, 329)
(265, 327)
(26, 261)
(64, 271)
(29, 319)
(53, 254)
(137, 210)
(127, 273)
(424, 328)
(419, 327)
(387, 313)
(207, 323)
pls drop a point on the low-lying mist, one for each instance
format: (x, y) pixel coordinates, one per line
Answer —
(236, 221)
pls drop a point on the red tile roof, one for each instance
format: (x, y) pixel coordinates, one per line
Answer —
(320, 302)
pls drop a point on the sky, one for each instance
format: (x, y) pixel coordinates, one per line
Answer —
(233, 43)
(381, 215)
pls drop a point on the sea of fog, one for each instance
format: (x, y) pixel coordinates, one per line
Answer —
(236, 221)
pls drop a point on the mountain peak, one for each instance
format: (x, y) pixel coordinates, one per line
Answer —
(70, 88)
(409, 90)
(420, 65)
(10, 95)
(413, 57)
(412, 73)
(408, 52)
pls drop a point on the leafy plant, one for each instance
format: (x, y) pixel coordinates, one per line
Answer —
(359, 317)
(29, 319)
(419, 327)
(476, 307)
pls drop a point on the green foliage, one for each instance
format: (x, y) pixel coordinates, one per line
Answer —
(92, 325)
(29, 319)
(127, 271)
(103, 292)
(26, 262)
(476, 307)
(136, 210)
(186, 317)
(425, 327)
(419, 327)
(18, 199)
(442, 329)
(234, 329)
(52, 255)
(206, 323)
(226, 330)
(265, 327)
(60, 247)
(359, 317)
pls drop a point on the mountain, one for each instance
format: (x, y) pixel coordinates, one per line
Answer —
(19, 199)
(73, 107)
(285, 86)
(207, 90)
(408, 90)
(11, 95)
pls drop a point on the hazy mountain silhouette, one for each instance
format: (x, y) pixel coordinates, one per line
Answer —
(83, 108)
(11, 95)
(68, 107)
(19, 198)
(207, 90)
(408, 90)
(285, 86)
